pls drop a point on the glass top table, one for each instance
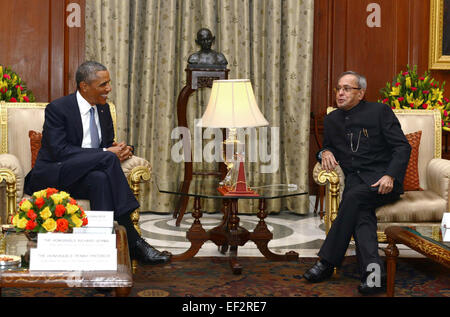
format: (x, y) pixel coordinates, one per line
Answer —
(229, 234)
(426, 240)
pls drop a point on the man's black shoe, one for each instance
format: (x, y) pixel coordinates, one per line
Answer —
(319, 272)
(146, 254)
(366, 289)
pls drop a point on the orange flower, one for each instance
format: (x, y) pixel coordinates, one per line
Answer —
(31, 214)
(39, 202)
(51, 191)
(30, 225)
(60, 210)
(62, 225)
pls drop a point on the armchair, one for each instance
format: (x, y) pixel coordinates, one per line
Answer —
(16, 120)
(414, 208)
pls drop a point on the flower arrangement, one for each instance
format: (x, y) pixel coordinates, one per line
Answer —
(411, 91)
(49, 210)
(12, 88)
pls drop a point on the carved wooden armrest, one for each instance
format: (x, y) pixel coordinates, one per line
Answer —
(137, 170)
(12, 173)
(332, 181)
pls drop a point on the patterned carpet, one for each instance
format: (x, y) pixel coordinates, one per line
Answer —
(211, 277)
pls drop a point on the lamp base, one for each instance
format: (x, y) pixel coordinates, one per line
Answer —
(229, 191)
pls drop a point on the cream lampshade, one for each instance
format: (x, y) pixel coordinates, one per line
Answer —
(232, 104)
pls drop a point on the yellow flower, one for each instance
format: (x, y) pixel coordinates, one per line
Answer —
(49, 225)
(15, 218)
(40, 194)
(397, 104)
(410, 98)
(437, 94)
(57, 198)
(71, 208)
(64, 195)
(26, 205)
(77, 221)
(408, 82)
(395, 91)
(22, 223)
(46, 213)
(418, 102)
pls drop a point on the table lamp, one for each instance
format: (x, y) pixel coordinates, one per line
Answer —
(232, 105)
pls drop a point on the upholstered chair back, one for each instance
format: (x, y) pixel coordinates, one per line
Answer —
(17, 119)
(429, 122)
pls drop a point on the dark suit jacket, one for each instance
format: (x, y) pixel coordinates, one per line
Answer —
(368, 140)
(62, 137)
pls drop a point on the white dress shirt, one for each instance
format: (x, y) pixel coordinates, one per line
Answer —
(85, 107)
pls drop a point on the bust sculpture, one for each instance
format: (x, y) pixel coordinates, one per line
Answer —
(206, 57)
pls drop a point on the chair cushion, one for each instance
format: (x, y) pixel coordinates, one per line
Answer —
(414, 206)
(35, 145)
(411, 181)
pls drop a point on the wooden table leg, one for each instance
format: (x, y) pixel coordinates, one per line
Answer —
(196, 234)
(392, 253)
(261, 236)
(122, 291)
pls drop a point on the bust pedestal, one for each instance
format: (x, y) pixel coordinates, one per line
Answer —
(196, 78)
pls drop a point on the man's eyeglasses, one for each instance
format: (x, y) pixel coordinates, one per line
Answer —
(346, 89)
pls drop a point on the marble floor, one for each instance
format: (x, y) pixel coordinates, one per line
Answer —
(301, 233)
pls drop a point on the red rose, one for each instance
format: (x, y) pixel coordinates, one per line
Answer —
(39, 202)
(60, 210)
(62, 225)
(26, 99)
(30, 225)
(397, 84)
(405, 73)
(31, 214)
(424, 106)
(18, 86)
(401, 99)
(385, 100)
(13, 99)
(445, 113)
(411, 105)
(4, 90)
(413, 88)
(446, 99)
(6, 76)
(425, 92)
(422, 78)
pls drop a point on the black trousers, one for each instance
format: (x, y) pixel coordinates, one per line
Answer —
(356, 217)
(106, 188)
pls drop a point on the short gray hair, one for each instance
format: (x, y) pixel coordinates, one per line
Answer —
(87, 72)
(362, 81)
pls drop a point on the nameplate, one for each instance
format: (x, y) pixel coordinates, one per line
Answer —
(99, 218)
(445, 227)
(69, 241)
(80, 259)
(96, 230)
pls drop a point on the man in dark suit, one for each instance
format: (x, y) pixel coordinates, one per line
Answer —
(79, 155)
(366, 140)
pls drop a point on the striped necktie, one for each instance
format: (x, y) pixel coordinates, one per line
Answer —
(95, 140)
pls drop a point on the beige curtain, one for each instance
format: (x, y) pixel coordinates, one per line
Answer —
(146, 43)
